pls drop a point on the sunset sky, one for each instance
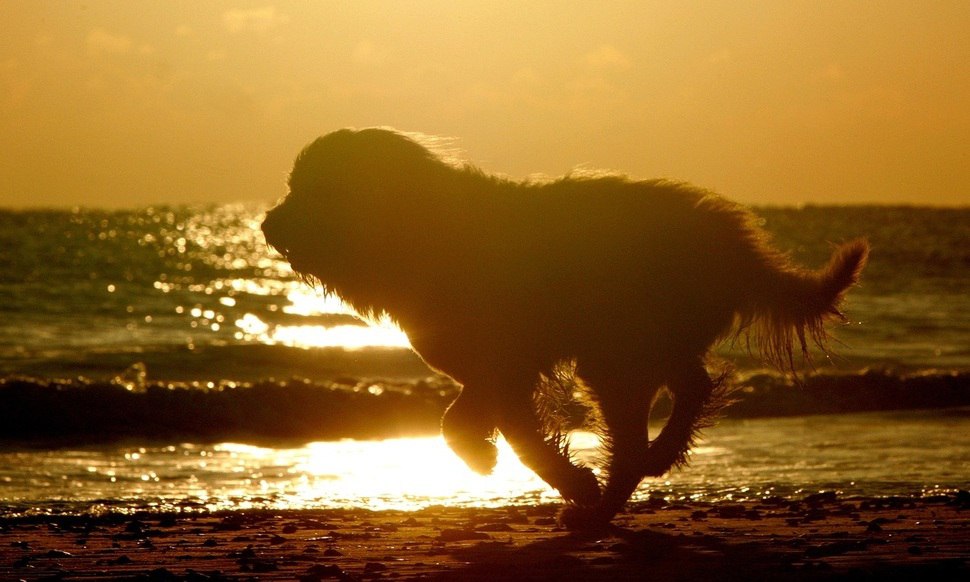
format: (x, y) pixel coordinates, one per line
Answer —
(126, 103)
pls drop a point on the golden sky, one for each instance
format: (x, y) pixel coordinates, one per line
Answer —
(128, 103)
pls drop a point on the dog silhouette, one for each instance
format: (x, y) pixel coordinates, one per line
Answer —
(519, 289)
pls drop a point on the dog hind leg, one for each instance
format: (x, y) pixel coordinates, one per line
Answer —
(624, 413)
(697, 400)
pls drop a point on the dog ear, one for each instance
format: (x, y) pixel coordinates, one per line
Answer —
(321, 161)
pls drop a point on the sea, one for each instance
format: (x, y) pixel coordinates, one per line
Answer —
(165, 359)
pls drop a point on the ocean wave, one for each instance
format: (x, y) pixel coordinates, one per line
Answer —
(769, 394)
(79, 411)
(217, 363)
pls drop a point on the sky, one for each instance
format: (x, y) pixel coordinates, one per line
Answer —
(121, 103)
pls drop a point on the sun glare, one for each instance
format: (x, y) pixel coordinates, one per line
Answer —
(372, 332)
(305, 301)
(350, 337)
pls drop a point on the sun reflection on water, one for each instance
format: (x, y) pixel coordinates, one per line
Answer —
(403, 474)
(411, 473)
(305, 302)
(230, 286)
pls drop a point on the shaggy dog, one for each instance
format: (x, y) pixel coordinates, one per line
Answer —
(508, 286)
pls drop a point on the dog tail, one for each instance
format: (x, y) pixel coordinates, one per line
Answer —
(794, 304)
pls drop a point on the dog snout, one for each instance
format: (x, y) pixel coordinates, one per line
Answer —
(273, 229)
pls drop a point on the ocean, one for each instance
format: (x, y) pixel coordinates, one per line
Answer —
(165, 358)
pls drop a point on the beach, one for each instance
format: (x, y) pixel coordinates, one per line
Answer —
(817, 537)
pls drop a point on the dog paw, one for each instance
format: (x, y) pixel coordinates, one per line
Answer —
(479, 454)
(583, 518)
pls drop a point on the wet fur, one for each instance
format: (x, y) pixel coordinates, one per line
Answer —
(625, 284)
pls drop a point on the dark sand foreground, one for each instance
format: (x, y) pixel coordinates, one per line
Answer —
(820, 537)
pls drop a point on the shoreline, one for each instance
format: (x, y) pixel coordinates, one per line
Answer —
(818, 537)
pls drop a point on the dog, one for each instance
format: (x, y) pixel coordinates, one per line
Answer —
(617, 285)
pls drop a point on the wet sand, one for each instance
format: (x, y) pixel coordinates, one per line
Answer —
(820, 537)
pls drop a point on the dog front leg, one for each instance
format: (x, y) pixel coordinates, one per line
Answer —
(468, 427)
(521, 427)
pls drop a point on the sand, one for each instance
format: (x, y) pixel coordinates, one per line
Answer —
(820, 537)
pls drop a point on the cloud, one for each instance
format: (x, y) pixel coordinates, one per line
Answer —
(15, 84)
(719, 57)
(832, 72)
(253, 19)
(101, 42)
(367, 53)
(608, 57)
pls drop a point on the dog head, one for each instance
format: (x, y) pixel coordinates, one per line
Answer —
(354, 204)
